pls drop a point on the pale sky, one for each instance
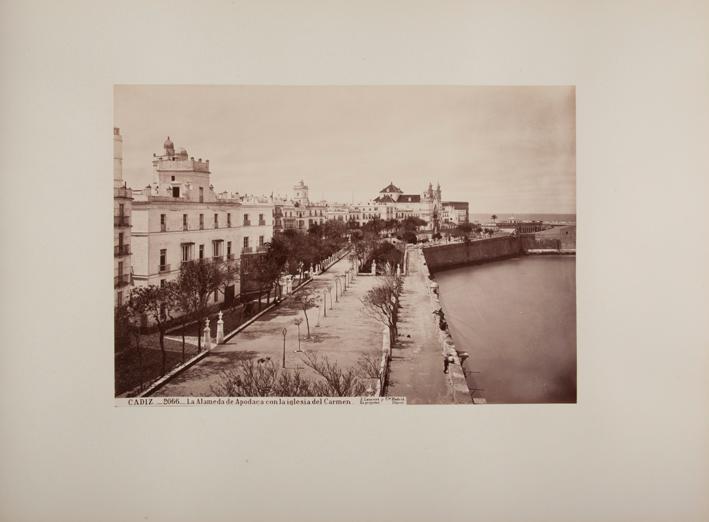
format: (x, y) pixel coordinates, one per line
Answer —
(502, 149)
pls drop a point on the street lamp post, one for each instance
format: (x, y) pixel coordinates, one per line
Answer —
(284, 331)
(324, 301)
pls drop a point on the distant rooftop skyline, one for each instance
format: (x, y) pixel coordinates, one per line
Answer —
(502, 149)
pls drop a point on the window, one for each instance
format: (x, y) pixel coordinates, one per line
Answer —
(119, 298)
(162, 283)
(217, 247)
(121, 209)
(201, 221)
(186, 252)
(261, 221)
(228, 248)
(120, 241)
(120, 268)
(163, 222)
(185, 225)
(260, 241)
(175, 191)
(246, 242)
(163, 260)
(172, 178)
(201, 194)
(246, 220)
(228, 219)
(201, 251)
(216, 220)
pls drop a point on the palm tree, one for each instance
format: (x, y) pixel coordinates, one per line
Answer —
(494, 218)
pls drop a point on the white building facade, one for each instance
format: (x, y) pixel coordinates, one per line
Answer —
(179, 218)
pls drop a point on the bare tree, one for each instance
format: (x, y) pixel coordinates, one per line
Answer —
(305, 299)
(336, 382)
(262, 378)
(382, 302)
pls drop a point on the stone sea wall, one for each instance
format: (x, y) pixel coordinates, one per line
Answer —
(458, 383)
(444, 256)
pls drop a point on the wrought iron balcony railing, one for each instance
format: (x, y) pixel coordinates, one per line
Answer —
(247, 250)
(164, 268)
(121, 280)
(121, 250)
(121, 221)
(247, 222)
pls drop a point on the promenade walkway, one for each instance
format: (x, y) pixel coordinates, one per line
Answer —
(416, 370)
(343, 336)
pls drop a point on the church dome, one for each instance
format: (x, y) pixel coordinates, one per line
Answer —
(168, 143)
(182, 153)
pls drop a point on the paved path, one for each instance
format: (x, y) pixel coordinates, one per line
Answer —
(416, 370)
(343, 336)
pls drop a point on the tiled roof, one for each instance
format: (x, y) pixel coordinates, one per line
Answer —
(390, 188)
(409, 198)
(384, 199)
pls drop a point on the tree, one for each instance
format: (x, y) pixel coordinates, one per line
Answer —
(494, 218)
(135, 314)
(305, 299)
(382, 303)
(463, 229)
(186, 304)
(262, 378)
(122, 328)
(265, 271)
(200, 279)
(336, 382)
(412, 223)
(158, 303)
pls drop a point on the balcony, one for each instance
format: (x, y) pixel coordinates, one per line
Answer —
(121, 250)
(262, 222)
(122, 192)
(247, 250)
(261, 248)
(164, 268)
(121, 280)
(121, 221)
(217, 259)
(247, 222)
(230, 257)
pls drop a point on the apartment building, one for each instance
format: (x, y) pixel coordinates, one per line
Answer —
(122, 203)
(179, 218)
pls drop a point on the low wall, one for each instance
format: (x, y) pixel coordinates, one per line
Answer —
(451, 255)
(441, 257)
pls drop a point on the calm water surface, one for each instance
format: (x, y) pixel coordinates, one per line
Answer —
(517, 320)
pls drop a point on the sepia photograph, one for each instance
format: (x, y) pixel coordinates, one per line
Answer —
(405, 244)
(372, 261)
